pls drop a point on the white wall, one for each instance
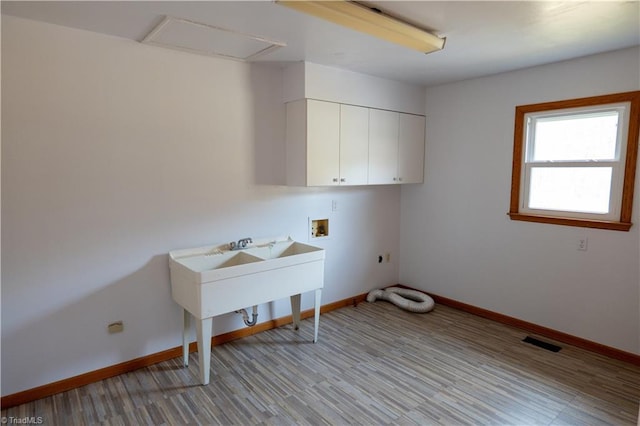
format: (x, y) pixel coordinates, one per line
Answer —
(113, 154)
(458, 242)
(315, 81)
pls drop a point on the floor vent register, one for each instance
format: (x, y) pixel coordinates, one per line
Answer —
(539, 343)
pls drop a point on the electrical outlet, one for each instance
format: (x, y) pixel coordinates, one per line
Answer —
(582, 243)
(387, 257)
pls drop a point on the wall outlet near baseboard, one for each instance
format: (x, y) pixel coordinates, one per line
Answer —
(582, 243)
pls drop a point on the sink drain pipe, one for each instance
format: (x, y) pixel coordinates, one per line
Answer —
(245, 316)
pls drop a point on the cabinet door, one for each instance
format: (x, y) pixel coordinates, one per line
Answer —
(411, 149)
(383, 146)
(354, 145)
(323, 143)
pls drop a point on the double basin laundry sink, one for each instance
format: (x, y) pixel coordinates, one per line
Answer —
(236, 279)
(209, 264)
(214, 280)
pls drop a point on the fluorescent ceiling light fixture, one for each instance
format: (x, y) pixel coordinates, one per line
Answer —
(368, 20)
(197, 37)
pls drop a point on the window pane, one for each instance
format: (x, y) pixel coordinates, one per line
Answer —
(574, 189)
(576, 137)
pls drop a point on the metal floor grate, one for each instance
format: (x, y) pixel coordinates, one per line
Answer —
(544, 345)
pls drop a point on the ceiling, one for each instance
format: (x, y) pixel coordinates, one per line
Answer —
(483, 38)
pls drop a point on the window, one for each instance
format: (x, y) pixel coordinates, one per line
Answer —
(574, 161)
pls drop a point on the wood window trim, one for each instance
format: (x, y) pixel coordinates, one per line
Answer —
(624, 223)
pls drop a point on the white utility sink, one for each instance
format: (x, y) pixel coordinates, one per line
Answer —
(286, 248)
(212, 280)
(210, 262)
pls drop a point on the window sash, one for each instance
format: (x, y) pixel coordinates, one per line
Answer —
(576, 114)
(613, 209)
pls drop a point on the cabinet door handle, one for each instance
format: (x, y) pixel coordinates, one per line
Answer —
(335, 179)
(394, 179)
(400, 179)
(343, 180)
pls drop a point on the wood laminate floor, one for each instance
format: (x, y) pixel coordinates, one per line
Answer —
(374, 364)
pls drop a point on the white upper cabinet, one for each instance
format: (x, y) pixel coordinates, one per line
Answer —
(335, 144)
(313, 143)
(383, 146)
(327, 143)
(396, 147)
(354, 145)
(323, 143)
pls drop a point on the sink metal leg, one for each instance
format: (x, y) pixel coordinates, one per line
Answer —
(317, 315)
(295, 310)
(186, 329)
(203, 329)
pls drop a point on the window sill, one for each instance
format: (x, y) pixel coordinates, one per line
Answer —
(584, 223)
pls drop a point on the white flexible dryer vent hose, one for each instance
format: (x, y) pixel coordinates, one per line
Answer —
(409, 300)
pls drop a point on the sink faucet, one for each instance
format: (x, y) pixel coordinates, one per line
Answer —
(242, 243)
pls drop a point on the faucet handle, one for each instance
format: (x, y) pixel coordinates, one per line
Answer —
(243, 242)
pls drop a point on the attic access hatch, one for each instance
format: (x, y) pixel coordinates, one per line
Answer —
(205, 39)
